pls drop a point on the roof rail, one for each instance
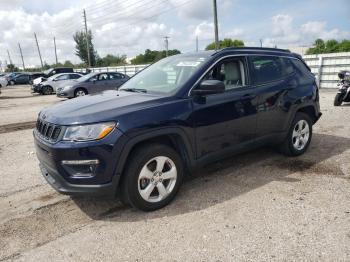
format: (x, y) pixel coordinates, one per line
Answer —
(255, 48)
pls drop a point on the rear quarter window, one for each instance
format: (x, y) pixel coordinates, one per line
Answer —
(303, 73)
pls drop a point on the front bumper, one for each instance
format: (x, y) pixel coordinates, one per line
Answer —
(66, 188)
(103, 180)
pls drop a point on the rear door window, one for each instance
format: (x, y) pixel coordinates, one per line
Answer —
(266, 69)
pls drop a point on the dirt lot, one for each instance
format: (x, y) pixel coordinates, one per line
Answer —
(260, 206)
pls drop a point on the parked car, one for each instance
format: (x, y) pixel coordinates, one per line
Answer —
(180, 113)
(50, 72)
(49, 86)
(3, 82)
(35, 75)
(20, 79)
(10, 76)
(92, 83)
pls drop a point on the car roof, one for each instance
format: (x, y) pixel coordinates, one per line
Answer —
(256, 51)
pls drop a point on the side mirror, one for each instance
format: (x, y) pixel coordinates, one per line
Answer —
(208, 87)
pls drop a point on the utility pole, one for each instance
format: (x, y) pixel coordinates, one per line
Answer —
(196, 43)
(166, 41)
(87, 39)
(54, 42)
(217, 44)
(260, 42)
(8, 53)
(20, 50)
(37, 44)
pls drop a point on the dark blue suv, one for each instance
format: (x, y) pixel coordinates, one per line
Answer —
(180, 113)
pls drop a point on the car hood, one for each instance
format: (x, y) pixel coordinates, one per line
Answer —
(105, 106)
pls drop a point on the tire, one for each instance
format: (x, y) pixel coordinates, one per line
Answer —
(142, 179)
(299, 136)
(12, 83)
(47, 90)
(338, 99)
(80, 92)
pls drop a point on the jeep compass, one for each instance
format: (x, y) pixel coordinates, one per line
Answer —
(182, 112)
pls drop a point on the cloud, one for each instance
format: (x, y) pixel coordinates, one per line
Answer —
(285, 33)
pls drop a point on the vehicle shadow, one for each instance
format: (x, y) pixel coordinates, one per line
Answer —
(229, 178)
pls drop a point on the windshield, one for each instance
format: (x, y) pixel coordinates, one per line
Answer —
(166, 76)
(48, 71)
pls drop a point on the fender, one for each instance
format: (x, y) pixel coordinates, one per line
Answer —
(186, 147)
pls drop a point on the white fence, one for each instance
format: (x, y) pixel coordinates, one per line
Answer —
(325, 66)
(129, 70)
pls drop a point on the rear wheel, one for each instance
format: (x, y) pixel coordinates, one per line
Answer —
(12, 83)
(47, 90)
(299, 136)
(152, 177)
(338, 99)
(80, 92)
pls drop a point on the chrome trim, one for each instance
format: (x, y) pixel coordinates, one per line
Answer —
(81, 162)
(237, 55)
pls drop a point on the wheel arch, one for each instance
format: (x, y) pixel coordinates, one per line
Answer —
(173, 137)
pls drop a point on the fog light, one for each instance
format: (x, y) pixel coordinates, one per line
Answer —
(81, 168)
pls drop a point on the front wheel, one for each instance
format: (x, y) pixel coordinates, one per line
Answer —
(47, 90)
(338, 99)
(299, 136)
(152, 178)
(80, 92)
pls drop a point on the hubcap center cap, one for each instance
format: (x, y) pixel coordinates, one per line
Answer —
(157, 177)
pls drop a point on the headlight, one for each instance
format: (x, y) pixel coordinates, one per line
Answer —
(88, 132)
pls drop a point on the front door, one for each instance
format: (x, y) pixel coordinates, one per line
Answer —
(225, 121)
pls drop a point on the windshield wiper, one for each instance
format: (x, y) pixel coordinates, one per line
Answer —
(136, 90)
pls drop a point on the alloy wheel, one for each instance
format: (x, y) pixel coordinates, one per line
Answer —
(301, 134)
(157, 179)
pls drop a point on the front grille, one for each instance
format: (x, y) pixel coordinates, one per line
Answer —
(47, 130)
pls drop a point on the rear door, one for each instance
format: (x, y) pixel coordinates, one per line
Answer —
(102, 82)
(272, 77)
(224, 122)
(116, 79)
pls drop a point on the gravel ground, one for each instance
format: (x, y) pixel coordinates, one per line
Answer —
(259, 206)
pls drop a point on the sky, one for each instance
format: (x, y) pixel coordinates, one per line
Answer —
(131, 26)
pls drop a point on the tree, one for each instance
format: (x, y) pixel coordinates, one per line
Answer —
(151, 56)
(11, 68)
(227, 42)
(330, 46)
(81, 48)
(111, 60)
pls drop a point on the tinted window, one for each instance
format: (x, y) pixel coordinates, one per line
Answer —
(303, 73)
(62, 77)
(115, 76)
(231, 72)
(288, 67)
(266, 69)
(74, 76)
(102, 77)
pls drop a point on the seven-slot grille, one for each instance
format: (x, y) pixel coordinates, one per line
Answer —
(47, 130)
